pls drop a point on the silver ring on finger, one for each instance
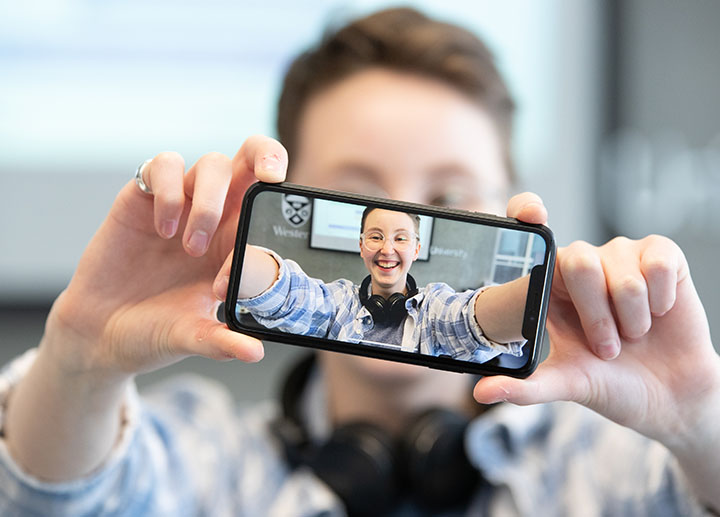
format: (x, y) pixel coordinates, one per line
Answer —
(139, 177)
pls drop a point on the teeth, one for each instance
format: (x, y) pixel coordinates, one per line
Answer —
(387, 264)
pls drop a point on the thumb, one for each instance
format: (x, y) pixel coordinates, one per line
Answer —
(547, 384)
(222, 279)
(527, 207)
(212, 339)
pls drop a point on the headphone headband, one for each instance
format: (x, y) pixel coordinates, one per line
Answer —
(390, 310)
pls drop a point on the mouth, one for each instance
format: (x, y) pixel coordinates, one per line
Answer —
(387, 265)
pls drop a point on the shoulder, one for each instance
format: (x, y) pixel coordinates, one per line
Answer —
(342, 289)
(229, 450)
(207, 410)
(565, 445)
(189, 396)
(440, 292)
(436, 287)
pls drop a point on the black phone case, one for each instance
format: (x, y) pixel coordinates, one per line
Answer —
(533, 326)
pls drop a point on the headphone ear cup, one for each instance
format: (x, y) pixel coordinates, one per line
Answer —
(438, 471)
(396, 310)
(377, 306)
(359, 464)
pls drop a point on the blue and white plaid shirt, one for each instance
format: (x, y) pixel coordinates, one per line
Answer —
(186, 450)
(440, 320)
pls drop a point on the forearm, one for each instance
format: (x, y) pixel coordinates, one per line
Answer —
(59, 427)
(500, 310)
(259, 271)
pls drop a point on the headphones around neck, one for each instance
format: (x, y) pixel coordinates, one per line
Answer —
(370, 470)
(392, 310)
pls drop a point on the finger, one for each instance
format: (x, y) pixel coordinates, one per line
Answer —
(527, 207)
(222, 280)
(263, 158)
(547, 384)
(584, 278)
(627, 287)
(214, 340)
(207, 183)
(663, 265)
(164, 176)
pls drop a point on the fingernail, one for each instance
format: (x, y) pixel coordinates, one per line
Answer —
(198, 241)
(608, 351)
(271, 163)
(168, 228)
(536, 207)
(258, 354)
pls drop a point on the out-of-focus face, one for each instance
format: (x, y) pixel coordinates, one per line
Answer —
(401, 136)
(405, 137)
(389, 265)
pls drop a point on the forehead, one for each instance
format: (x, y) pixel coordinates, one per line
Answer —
(401, 131)
(389, 220)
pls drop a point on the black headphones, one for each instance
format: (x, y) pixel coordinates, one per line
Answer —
(372, 471)
(393, 309)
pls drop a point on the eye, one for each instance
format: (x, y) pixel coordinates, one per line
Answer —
(375, 237)
(402, 238)
(359, 185)
(451, 197)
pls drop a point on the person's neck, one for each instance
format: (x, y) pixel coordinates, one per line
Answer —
(387, 292)
(390, 401)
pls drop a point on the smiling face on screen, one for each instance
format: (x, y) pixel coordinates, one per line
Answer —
(395, 236)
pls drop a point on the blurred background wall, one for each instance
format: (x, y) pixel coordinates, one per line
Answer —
(618, 125)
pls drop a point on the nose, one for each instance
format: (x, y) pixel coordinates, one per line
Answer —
(387, 247)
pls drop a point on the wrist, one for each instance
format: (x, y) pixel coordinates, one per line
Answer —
(694, 447)
(97, 387)
(72, 351)
(60, 426)
(700, 418)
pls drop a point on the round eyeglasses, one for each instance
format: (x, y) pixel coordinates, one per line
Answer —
(401, 241)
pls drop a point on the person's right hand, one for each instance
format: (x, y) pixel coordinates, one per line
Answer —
(142, 295)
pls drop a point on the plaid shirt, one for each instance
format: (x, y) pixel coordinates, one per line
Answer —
(440, 320)
(186, 450)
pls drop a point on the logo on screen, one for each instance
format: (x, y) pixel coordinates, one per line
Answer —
(296, 209)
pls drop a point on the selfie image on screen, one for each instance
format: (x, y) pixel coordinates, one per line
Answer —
(387, 278)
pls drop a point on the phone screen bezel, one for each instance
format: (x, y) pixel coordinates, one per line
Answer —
(541, 298)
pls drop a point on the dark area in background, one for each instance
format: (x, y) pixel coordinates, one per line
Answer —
(663, 76)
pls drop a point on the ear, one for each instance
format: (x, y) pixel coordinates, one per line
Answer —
(417, 252)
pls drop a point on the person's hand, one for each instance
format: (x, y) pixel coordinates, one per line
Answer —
(142, 295)
(628, 336)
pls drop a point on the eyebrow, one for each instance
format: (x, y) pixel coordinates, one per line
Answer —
(358, 169)
(376, 229)
(460, 171)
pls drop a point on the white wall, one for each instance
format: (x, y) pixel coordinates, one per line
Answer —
(88, 90)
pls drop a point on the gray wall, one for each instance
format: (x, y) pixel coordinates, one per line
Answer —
(660, 162)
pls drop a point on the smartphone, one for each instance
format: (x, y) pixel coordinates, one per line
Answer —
(444, 288)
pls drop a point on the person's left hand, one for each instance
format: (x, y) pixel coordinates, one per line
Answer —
(629, 337)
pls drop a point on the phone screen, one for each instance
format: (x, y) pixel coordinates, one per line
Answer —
(391, 280)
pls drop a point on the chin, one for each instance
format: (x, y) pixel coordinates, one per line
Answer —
(390, 281)
(379, 370)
